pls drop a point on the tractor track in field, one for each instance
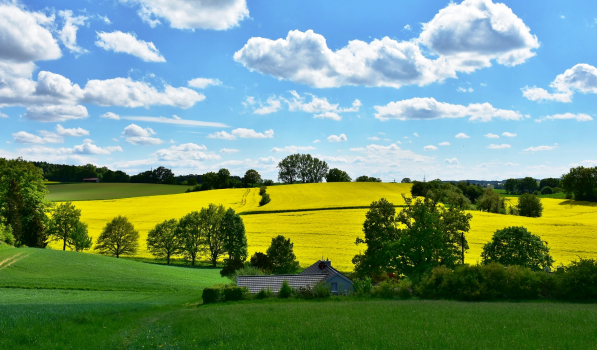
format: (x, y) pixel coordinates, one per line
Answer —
(13, 259)
(282, 211)
(243, 201)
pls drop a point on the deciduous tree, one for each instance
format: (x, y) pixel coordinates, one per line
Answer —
(281, 254)
(211, 220)
(163, 240)
(118, 237)
(337, 175)
(252, 177)
(191, 235)
(529, 205)
(64, 221)
(79, 239)
(517, 246)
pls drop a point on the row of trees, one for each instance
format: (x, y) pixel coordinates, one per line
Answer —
(581, 184)
(302, 168)
(76, 173)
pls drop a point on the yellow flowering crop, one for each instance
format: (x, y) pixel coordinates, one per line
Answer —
(569, 228)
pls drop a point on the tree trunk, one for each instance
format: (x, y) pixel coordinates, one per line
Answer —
(168, 259)
(64, 245)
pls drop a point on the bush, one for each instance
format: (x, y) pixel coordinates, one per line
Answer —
(405, 288)
(322, 290)
(285, 291)
(268, 182)
(435, 285)
(547, 190)
(211, 295)
(246, 271)
(492, 202)
(529, 205)
(264, 199)
(558, 190)
(234, 293)
(262, 190)
(521, 283)
(264, 294)
(6, 235)
(305, 292)
(362, 286)
(579, 281)
(231, 266)
(262, 262)
(386, 289)
(517, 246)
(192, 181)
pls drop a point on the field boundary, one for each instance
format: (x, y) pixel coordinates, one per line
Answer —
(281, 211)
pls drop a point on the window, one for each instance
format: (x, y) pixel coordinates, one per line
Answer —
(335, 287)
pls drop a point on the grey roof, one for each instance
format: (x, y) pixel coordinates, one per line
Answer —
(256, 283)
(327, 270)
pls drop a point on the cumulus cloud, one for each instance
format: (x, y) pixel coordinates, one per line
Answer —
(492, 136)
(228, 150)
(89, 148)
(137, 135)
(373, 138)
(462, 136)
(56, 113)
(76, 132)
(337, 138)
(243, 134)
(445, 143)
(185, 152)
(451, 161)
(463, 37)
(25, 36)
(144, 141)
(429, 108)
(271, 106)
(68, 33)
(25, 137)
(292, 149)
(430, 148)
(580, 78)
(128, 43)
(202, 83)
(135, 130)
(509, 134)
(175, 121)
(541, 148)
(196, 14)
(502, 146)
(581, 117)
(110, 115)
(328, 115)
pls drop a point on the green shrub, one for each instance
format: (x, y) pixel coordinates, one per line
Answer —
(246, 271)
(547, 190)
(268, 182)
(262, 190)
(579, 281)
(305, 293)
(212, 295)
(529, 205)
(264, 294)
(362, 286)
(285, 291)
(322, 290)
(233, 293)
(405, 288)
(264, 199)
(436, 284)
(558, 190)
(517, 246)
(521, 283)
(386, 289)
(231, 266)
(6, 235)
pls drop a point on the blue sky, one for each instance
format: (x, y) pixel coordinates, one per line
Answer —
(469, 89)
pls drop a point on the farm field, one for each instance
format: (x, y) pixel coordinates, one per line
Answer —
(85, 305)
(569, 227)
(98, 191)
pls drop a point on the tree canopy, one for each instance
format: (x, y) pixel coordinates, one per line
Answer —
(281, 255)
(337, 175)
(301, 167)
(529, 205)
(581, 183)
(163, 240)
(252, 177)
(517, 246)
(118, 237)
(64, 221)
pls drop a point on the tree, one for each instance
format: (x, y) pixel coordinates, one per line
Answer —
(281, 254)
(288, 169)
(22, 201)
(262, 262)
(64, 221)
(252, 177)
(422, 236)
(318, 170)
(223, 178)
(529, 205)
(511, 186)
(211, 220)
(581, 182)
(210, 179)
(418, 189)
(527, 185)
(191, 236)
(337, 175)
(163, 240)
(549, 182)
(161, 174)
(118, 237)
(6, 235)
(366, 178)
(192, 181)
(517, 246)
(406, 180)
(492, 202)
(234, 235)
(79, 239)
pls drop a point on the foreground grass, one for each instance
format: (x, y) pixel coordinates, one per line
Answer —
(98, 191)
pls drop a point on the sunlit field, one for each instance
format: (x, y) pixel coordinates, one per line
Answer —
(570, 228)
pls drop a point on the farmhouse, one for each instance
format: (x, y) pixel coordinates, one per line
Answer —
(320, 272)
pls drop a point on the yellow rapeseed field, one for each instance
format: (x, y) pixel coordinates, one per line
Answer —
(569, 228)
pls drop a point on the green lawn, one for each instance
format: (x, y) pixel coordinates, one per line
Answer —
(82, 301)
(560, 195)
(99, 191)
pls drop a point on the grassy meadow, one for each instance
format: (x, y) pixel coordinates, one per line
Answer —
(321, 219)
(98, 191)
(57, 300)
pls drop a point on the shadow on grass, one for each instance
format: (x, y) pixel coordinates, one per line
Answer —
(578, 203)
(176, 263)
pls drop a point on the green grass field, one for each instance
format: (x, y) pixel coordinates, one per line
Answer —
(560, 195)
(98, 191)
(56, 300)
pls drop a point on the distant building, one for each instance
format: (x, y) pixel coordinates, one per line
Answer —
(320, 272)
(91, 179)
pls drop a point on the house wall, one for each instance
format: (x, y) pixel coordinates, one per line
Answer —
(344, 286)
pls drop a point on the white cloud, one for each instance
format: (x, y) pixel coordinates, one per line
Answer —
(228, 150)
(243, 134)
(89, 148)
(502, 146)
(581, 117)
(316, 141)
(541, 148)
(110, 115)
(135, 130)
(407, 28)
(462, 136)
(223, 135)
(451, 161)
(176, 121)
(144, 141)
(76, 132)
(580, 78)
(429, 108)
(492, 136)
(465, 37)
(445, 143)
(461, 89)
(292, 149)
(128, 43)
(272, 105)
(68, 34)
(2, 115)
(475, 32)
(56, 113)
(373, 138)
(185, 152)
(328, 115)
(25, 137)
(267, 160)
(509, 134)
(24, 36)
(195, 14)
(430, 148)
(202, 83)
(337, 138)
(416, 134)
